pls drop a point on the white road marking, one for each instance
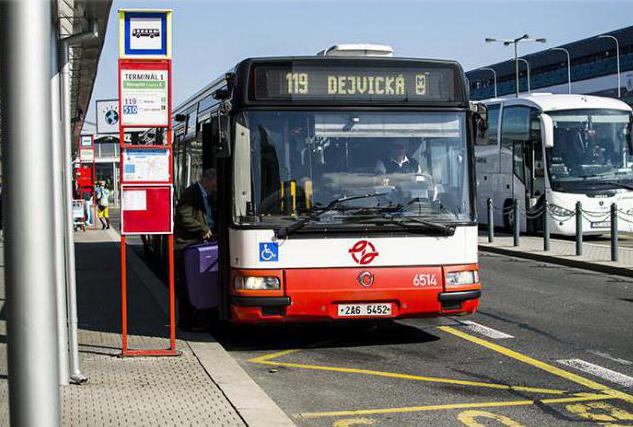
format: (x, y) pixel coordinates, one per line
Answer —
(485, 330)
(598, 371)
(608, 356)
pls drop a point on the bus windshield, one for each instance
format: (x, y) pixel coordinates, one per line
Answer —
(589, 148)
(344, 168)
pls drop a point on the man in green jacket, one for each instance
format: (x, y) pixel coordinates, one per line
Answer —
(194, 223)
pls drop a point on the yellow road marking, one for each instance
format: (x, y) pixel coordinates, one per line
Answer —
(599, 411)
(470, 419)
(261, 359)
(580, 397)
(354, 422)
(267, 360)
(539, 364)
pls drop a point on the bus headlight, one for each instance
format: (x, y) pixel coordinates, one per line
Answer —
(255, 283)
(558, 211)
(458, 278)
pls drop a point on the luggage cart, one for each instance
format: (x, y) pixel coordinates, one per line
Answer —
(79, 215)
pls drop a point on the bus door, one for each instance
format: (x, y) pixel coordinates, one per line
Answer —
(515, 140)
(535, 163)
(534, 174)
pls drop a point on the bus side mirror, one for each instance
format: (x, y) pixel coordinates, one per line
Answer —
(480, 116)
(547, 130)
(482, 112)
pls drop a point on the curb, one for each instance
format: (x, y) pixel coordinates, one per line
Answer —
(585, 265)
(250, 401)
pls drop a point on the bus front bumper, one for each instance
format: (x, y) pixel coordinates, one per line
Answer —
(319, 296)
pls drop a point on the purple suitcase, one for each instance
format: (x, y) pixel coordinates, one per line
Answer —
(201, 269)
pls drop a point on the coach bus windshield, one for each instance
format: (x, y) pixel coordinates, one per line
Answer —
(590, 149)
(340, 168)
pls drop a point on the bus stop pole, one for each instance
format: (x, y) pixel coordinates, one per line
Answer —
(25, 49)
(58, 211)
(75, 372)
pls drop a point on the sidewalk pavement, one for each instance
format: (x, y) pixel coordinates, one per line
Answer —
(596, 255)
(203, 386)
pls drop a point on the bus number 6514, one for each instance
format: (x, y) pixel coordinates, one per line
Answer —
(425, 279)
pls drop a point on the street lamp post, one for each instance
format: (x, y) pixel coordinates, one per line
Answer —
(515, 42)
(617, 56)
(494, 77)
(527, 65)
(562, 49)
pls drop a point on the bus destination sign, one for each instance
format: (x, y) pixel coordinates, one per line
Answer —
(336, 83)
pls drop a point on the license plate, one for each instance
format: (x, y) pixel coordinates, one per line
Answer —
(354, 310)
(601, 224)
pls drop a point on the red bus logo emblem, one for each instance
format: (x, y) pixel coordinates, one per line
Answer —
(363, 252)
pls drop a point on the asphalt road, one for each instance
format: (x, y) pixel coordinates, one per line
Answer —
(559, 352)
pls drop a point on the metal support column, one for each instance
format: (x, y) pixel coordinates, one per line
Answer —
(58, 212)
(75, 372)
(34, 393)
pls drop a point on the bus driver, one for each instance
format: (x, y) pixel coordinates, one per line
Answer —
(397, 160)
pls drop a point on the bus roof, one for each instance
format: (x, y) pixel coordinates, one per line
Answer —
(553, 102)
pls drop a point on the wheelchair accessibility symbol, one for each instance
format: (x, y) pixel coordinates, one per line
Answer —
(268, 252)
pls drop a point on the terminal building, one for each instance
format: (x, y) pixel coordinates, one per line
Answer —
(592, 68)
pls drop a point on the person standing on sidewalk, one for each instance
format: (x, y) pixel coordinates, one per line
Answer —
(193, 224)
(103, 202)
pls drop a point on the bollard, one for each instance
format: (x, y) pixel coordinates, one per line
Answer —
(615, 250)
(578, 228)
(491, 222)
(546, 227)
(515, 211)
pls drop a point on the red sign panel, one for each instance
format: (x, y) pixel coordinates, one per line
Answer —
(146, 209)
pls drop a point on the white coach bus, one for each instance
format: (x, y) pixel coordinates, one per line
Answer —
(560, 148)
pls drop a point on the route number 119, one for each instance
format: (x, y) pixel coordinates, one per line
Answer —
(297, 83)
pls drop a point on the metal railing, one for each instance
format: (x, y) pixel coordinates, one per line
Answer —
(556, 213)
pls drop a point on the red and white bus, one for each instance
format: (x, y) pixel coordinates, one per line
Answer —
(346, 187)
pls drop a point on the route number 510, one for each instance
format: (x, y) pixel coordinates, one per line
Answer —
(424, 280)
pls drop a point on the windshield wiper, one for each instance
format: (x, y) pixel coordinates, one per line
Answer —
(284, 232)
(411, 224)
(448, 230)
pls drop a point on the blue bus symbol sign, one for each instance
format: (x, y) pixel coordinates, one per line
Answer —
(268, 252)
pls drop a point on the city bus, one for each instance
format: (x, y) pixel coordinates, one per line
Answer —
(562, 149)
(345, 188)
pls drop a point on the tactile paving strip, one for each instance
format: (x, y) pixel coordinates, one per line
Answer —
(144, 391)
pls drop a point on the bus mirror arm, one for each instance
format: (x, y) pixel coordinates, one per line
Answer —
(219, 135)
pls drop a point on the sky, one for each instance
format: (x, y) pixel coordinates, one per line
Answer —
(209, 37)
